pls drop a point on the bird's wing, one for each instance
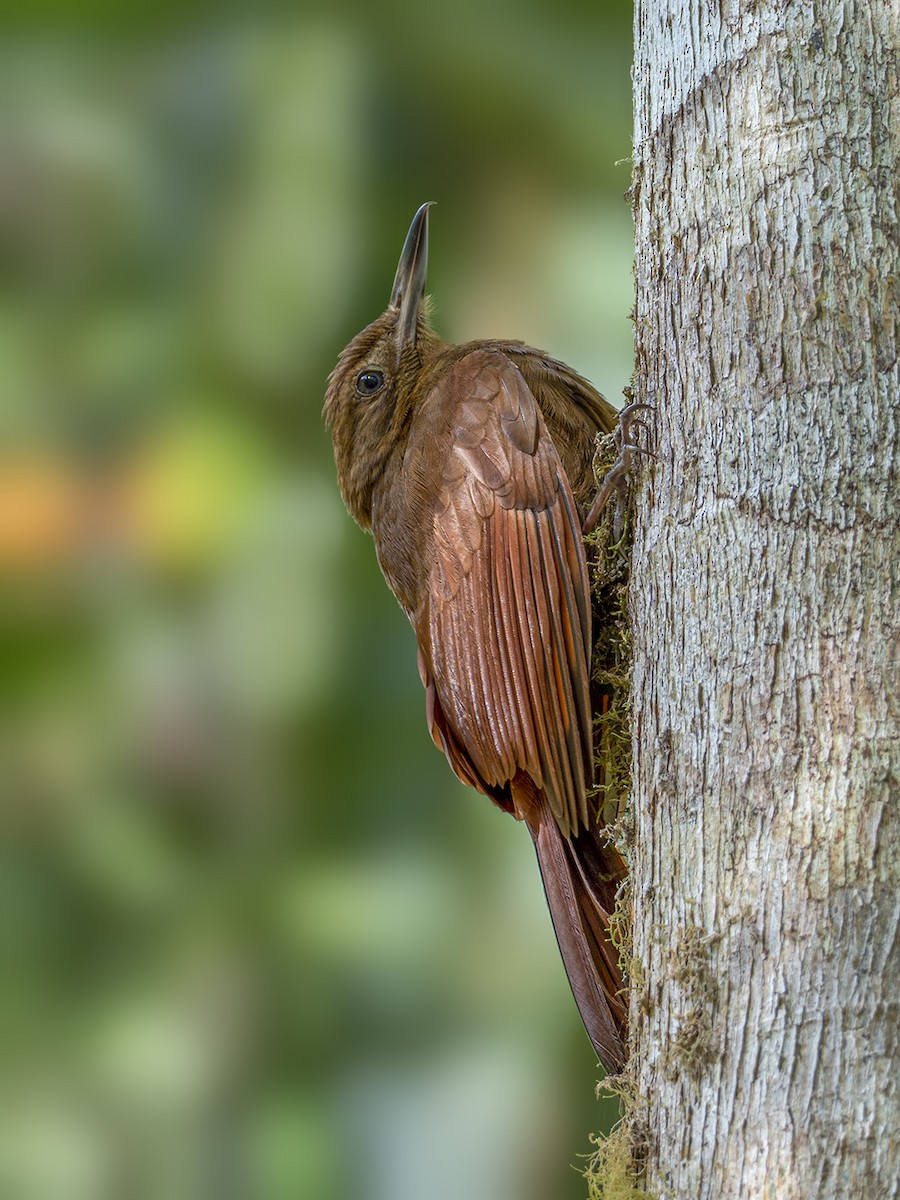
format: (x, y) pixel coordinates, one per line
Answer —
(504, 635)
(564, 393)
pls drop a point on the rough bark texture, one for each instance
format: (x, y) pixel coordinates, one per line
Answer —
(765, 599)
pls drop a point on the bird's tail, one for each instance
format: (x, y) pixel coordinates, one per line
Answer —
(581, 876)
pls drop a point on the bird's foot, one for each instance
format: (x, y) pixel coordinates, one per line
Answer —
(616, 478)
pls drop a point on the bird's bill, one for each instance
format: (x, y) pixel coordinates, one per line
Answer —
(409, 282)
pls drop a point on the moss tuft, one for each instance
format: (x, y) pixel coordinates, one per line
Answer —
(609, 556)
(692, 1046)
(614, 1169)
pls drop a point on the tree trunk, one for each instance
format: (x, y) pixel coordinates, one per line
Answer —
(764, 600)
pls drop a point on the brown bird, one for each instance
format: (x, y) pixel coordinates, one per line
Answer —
(470, 465)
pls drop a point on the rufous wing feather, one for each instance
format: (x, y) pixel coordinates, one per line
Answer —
(504, 652)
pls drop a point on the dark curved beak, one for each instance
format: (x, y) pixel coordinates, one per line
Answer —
(409, 282)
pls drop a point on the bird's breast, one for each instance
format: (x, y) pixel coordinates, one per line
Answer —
(404, 503)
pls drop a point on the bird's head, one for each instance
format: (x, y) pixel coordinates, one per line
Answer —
(369, 398)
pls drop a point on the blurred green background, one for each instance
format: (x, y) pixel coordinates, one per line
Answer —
(255, 940)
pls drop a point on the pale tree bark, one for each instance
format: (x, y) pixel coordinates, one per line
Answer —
(764, 600)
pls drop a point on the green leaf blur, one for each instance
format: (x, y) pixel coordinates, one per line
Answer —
(255, 940)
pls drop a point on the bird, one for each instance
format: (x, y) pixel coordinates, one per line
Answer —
(472, 467)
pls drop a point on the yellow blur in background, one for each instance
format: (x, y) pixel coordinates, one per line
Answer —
(255, 940)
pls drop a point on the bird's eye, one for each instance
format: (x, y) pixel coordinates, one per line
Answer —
(369, 382)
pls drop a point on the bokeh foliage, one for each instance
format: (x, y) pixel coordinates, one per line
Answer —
(255, 941)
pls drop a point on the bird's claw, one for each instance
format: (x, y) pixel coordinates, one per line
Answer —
(615, 478)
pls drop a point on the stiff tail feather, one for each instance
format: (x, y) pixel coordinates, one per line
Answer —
(580, 878)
